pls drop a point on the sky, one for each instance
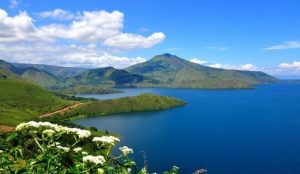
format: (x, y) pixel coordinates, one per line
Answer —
(259, 35)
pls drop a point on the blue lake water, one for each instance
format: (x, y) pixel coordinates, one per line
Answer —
(223, 131)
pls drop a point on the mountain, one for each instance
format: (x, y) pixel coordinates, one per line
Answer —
(9, 67)
(57, 71)
(161, 71)
(171, 71)
(40, 77)
(104, 77)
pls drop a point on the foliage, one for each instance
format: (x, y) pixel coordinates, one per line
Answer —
(43, 147)
(143, 102)
(106, 77)
(21, 101)
(81, 89)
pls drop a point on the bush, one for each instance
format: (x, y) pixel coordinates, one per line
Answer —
(43, 147)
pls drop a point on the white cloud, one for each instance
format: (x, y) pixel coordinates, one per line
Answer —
(64, 55)
(129, 41)
(282, 69)
(198, 61)
(249, 67)
(246, 67)
(217, 48)
(91, 27)
(95, 60)
(294, 65)
(285, 45)
(58, 14)
(95, 26)
(17, 28)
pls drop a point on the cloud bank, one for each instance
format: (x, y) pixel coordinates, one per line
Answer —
(88, 38)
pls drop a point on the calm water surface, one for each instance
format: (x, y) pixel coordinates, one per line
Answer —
(224, 131)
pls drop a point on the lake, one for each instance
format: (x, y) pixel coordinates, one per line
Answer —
(223, 131)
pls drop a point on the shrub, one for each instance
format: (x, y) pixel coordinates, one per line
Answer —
(43, 147)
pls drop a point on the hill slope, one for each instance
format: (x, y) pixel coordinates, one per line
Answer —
(171, 71)
(57, 71)
(21, 100)
(40, 77)
(104, 77)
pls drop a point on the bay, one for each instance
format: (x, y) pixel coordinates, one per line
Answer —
(223, 131)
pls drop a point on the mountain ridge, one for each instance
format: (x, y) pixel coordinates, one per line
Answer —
(164, 70)
(173, 71)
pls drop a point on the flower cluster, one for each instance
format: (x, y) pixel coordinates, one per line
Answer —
(53, 127)
(125, 150)
(106, 140)
(77, 149)
(94, 159)
(49, 132)
(57, 149)
(64, 149)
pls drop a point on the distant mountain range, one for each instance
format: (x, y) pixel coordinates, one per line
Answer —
(161, 71)
(57, 71)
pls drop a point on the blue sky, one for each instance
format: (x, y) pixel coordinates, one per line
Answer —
(251, 35)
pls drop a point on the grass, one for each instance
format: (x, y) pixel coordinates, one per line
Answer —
(21, 101)
(87, 90)
(143, 102)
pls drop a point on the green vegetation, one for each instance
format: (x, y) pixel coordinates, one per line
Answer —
(143, 102)
(21, 100)
(171, 71)
(40, 77)
(87, 90)
(105, 77)
(57, 71)
(4, 74)
(42, 147)
(161, 71)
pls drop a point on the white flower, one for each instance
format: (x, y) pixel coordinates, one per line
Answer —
(79, 132)
(48, 132)
(94, 159)
(1, 151)
(21, 126)
(125, 150)
(32, 124)
(65, 149)
(84, 153)
(78, 149)
(106, 140)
